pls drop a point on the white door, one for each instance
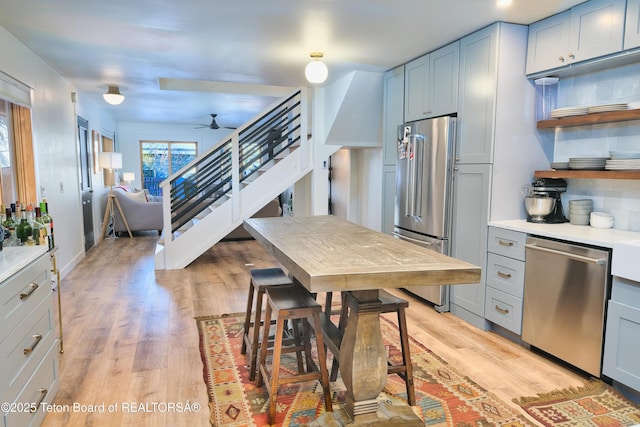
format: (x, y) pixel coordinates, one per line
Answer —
(416, 89)
(443, 80)
(548, 45)
(632, 25)
(597, 29)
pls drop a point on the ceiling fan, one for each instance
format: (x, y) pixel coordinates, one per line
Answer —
(213, 124)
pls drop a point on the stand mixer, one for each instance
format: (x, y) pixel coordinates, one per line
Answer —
(549, 187)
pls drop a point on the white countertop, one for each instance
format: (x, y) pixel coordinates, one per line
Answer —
(575, 233)
(14, 259)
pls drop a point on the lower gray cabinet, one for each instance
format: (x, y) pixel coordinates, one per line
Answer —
(622, 339)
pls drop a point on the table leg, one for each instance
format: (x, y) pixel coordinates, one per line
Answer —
(363, 360)
(363, 367)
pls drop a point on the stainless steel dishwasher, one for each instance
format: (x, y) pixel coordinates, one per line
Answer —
(565, 292)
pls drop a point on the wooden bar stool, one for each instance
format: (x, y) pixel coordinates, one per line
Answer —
(390, 304)
(261, 279)
(292, 303)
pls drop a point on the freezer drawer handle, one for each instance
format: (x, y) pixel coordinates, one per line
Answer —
(599, 261)
(505, 243)
(421, 242)
(504, 275)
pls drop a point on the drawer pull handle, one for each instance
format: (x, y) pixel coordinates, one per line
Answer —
(32, 289)
(37, 339)
(43, 392)
(504, 275)
(502, 310)
(505, 243)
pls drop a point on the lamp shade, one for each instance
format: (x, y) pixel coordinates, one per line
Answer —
(128, 177)
(110, 160)
(113, 96)
(316, 71)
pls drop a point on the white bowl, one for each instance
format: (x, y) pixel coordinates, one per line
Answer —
(577, 202)
(602, 215)
(579, 219)
(598, 223)
(580, 211)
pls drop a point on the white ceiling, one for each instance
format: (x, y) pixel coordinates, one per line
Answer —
(251, 44)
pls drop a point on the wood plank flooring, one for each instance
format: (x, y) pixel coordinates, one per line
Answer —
(130, 337)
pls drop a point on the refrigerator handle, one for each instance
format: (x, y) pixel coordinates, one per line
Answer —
(413, 172)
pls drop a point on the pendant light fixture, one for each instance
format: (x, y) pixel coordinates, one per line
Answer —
(316, 71)
(113, 96)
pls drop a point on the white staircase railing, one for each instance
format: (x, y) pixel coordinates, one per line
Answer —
(211, 196)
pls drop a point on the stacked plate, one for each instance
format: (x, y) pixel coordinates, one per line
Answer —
(560, 165)
(608, 107)
(623, 160)
(569, 111)
(580, 211)
(593, 163)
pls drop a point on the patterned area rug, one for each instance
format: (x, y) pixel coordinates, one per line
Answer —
(444, 397)
(596, 404)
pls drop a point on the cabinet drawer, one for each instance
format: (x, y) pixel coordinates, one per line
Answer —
(622, 344)
(24, 348)
(503, 309)
(41, 387)
(22, 292)
(505, 274)
(507, 242)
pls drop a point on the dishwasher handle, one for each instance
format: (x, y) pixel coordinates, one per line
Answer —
(599, 261)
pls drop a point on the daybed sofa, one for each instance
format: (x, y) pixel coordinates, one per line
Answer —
(142, 215)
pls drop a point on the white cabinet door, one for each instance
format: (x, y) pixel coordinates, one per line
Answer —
(469, 235)
(416, 89)
(393, 112)
(388, 198)
(548, 44)
(632, 25)
(443, 80)
(477, 96)
(597, 29)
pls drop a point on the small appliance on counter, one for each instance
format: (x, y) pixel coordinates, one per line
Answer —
(543, 203)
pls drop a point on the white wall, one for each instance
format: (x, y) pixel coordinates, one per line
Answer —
(129, 135)
(55, 143)
(621, 198)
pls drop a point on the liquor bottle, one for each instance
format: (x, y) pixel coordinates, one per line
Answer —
(9, 229)
(23, 230)
(48, 223)
(39, 230)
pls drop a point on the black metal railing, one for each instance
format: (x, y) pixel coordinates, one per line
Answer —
(209, 178)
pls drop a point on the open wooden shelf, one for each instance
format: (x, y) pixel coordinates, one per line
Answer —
(591, 119)
(588, 174)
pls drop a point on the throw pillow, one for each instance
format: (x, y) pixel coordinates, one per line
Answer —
(138, 196)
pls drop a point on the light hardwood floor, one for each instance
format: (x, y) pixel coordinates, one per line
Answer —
(130, 337)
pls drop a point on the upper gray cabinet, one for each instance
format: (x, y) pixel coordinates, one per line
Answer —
(392, 113)
(589, 30)
(632, 25)
(431, 84)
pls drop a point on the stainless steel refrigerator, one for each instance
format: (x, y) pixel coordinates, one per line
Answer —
(424, 183)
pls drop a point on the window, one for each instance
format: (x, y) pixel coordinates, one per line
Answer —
(161, 159)
(7, 181)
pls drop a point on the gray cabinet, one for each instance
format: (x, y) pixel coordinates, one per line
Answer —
(472, 184)
(431, 84)
(497, 149)
(586, 31)
(393, 117)
(28, 343)
(477, 96)
(505, 278)
(622, 340)
(632, 25)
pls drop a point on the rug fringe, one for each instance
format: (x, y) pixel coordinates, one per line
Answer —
(571, 392)
(219, 316)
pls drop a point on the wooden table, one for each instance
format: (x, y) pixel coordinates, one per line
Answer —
(326, 253)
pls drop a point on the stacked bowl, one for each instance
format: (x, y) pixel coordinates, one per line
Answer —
(601, 220)
(580, 211)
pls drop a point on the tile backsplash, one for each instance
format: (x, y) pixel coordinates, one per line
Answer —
(621, 198)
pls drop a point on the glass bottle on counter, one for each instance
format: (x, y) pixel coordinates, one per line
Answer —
(9, 225)
(47, 221)
(24, 229)
(39, 230)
